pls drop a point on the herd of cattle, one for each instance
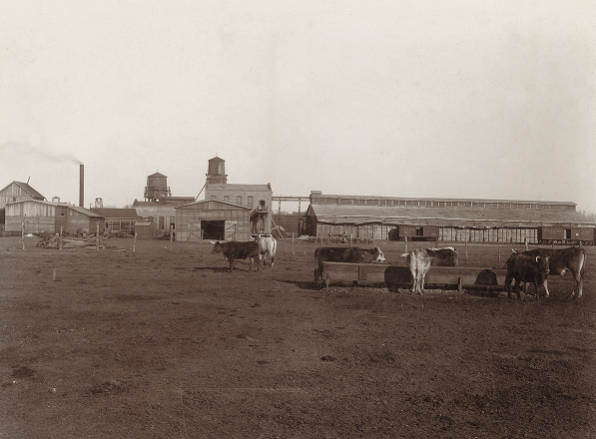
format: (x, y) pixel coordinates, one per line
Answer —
(532, 266)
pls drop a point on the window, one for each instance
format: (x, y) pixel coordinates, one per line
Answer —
(239, 199)
(213, 197)
(419, 231)
(249, 201)
(226, 198)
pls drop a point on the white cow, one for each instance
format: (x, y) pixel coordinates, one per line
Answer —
(420, 260)
(267, 246)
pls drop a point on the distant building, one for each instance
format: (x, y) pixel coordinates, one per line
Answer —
(118, 219)
(37, 216)
(159, 207)
(16, 191)
(212, 219)
(445, 219)
(256, 197)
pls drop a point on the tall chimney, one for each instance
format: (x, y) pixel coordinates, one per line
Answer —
(81, 185)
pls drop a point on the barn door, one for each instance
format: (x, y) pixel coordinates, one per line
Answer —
(230, 230)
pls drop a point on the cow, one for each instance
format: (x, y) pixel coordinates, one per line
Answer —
(267, 246)
(571, 259)
(238, 250)
(420, 260)
(346, 254)
(526, 268)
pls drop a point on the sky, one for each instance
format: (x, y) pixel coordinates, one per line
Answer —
(490, 99)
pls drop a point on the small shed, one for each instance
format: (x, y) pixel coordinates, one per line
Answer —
(212, 219)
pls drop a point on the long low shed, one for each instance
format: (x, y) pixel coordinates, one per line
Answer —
(449, 225)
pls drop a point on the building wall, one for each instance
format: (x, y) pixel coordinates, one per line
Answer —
(38, 217)
(188, 221)
(240, 196)
(445, 234)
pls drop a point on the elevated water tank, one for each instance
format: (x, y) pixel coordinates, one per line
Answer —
(157, 187)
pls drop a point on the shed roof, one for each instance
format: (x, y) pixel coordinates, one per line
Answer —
(157, 174)
(472, 217)
(27, 188)
(115, 212)
(84, 211)
(315, 195)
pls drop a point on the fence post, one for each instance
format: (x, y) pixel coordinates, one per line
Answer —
(134, 243)
(60, 244)
(23, 234)
(466, 247)
(171, 236)
(293, 248)
(97, 236)
(406, 244)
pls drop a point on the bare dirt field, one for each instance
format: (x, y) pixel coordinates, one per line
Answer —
(165, 343)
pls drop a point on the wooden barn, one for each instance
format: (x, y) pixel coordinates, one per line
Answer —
(213, 220)
(13, 192)
(370, 218)
(18, 191)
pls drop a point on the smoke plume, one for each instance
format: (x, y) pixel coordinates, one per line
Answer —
(38, 152)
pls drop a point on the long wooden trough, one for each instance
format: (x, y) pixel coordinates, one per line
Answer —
(394, 277)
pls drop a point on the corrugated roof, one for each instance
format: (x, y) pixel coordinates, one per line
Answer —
(337, 214)
(316, 195)
(114, 212)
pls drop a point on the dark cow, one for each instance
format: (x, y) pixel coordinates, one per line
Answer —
(420, 260)
(525, 268)
(571, 259)
(238, 250)
(346, 254)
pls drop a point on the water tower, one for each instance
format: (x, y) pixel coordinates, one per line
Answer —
(157, 187)
(217, 171)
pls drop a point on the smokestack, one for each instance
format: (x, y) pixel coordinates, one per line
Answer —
(81, 185)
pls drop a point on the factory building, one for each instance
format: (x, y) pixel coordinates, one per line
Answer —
(229, 211)
(448, 220)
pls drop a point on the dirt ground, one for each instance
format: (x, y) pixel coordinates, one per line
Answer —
(165, 343)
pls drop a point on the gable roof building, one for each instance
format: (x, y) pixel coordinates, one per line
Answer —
(18, 191)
